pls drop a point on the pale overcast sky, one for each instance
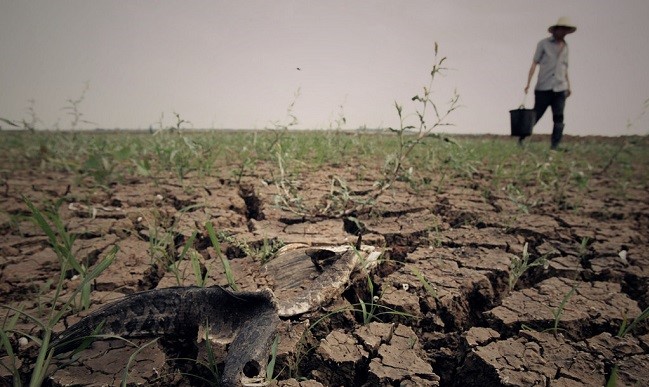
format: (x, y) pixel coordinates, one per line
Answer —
(233, 64)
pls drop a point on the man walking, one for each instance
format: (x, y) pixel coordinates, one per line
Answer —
(553, 85)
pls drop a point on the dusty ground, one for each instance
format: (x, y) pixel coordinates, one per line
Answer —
(467, 328)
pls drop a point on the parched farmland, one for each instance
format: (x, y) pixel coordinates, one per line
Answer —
(499, 265)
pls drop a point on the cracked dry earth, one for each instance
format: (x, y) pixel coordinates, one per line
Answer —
(460, 326)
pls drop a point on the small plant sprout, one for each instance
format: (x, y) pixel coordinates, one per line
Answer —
(73, 108)
(263, 253)
(180, 122)
(613, 377)
(558, 311)
(270, 367)
(430, 289)
(368, 311)
(224, 260)
(519, 266)
(625, 144)
(32, 120)
(288, 193)
(281, 128)
(209, 363)
(422, 128)
(5, 343)
(624, 328)
(199, 273)
(339, 122)
(131, 359)
(61, 242)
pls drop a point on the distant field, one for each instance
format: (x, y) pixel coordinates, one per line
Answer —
(107, 156)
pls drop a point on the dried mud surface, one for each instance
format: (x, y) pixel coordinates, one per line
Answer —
(461, 326)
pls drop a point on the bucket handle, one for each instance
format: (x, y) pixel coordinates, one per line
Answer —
(523, 102)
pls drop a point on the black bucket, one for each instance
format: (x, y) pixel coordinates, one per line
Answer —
(523, 121)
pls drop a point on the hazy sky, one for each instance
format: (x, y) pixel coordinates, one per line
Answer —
(233, 64)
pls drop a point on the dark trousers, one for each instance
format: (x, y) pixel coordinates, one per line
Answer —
(557, 101)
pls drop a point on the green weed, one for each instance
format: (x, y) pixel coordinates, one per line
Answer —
(61, 242)
(5, 343)
(131, 359)
(224, 260)
(558, 311)
(612, 380)
(367, 311)
(262, 253)
(73, 108)
(211, 364)
(626, 328)
(427, 286)
(162, 234)
(625, 143)
(46, 351)
(200, 273)
(583, 247)
(518, 266)
(270, 367)
(281, 128)
(422, 128)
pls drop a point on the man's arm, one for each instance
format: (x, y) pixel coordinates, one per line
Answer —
(569, 91)
(530, 75)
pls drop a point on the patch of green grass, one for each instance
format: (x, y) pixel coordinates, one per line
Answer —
(162, 235)
(157, 155)
(533, 177)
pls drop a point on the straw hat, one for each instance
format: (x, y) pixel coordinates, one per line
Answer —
(563, 21)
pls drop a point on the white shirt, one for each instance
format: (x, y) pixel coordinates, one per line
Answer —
(552, 58)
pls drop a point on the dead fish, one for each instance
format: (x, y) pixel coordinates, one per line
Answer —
(249, 318)
(308, 277)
